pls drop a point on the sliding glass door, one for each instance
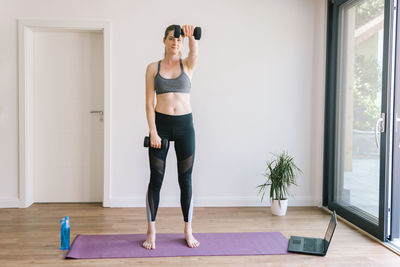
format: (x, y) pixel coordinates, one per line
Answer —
(357, 108)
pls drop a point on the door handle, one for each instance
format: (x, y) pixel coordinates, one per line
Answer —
(379, 128)
(100, 112)
(397, 122)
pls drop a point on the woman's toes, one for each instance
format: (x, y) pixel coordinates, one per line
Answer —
(149, 245)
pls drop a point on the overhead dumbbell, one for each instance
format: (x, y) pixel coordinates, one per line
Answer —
(164, 142)
(179, 31)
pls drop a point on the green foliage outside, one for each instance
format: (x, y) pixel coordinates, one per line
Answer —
(367, 84)
(367, 76)
(368, 10)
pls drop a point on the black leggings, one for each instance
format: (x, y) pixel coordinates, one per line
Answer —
(179, 129)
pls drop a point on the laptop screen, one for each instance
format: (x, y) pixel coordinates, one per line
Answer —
(331, 228)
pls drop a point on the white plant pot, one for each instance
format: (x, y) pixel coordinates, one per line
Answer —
(279, 210)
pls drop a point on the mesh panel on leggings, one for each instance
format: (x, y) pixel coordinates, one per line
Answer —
(185, 165)
(157, 164)
(185, 183)
(150, 203)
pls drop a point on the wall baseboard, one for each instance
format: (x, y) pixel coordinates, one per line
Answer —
(198, 202)
(230, 201)
(9, 202)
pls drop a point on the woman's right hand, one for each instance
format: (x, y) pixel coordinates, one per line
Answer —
(155, 140)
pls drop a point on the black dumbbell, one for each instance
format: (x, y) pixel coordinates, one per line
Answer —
(178, 31)
(164, 142)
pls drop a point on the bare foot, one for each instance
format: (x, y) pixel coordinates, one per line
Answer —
(150, 242)
(190, 240)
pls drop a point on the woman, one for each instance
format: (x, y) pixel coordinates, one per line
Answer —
(171, 118)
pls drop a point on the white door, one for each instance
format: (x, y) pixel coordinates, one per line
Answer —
(68, 139)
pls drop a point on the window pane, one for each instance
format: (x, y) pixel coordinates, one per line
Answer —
(359, 106)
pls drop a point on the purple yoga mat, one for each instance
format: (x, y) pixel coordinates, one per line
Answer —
(174, 245)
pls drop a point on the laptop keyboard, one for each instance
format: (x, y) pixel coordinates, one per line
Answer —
(310, 244)
(297, 241)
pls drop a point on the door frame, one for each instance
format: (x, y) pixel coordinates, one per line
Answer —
(394, 193)
(380, 231)
(25, 98)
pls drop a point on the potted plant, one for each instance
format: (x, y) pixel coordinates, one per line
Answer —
(280, 174)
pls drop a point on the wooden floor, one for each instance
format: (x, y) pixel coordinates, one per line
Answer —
(30, 237)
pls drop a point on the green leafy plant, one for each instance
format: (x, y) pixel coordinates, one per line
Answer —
(368, 10)
(367, 86)
(280, 174)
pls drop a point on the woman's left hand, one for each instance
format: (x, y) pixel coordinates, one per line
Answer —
(188, 30)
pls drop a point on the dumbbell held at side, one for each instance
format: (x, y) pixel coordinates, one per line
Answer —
(164, 142)
(179, 31)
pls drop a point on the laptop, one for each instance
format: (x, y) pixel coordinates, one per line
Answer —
(313, 246)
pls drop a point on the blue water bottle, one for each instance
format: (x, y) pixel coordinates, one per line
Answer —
(65, 232)
(62, 222)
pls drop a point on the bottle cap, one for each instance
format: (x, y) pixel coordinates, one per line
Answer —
(66, 217)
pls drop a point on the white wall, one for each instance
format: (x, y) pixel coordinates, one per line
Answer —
(258, 89)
